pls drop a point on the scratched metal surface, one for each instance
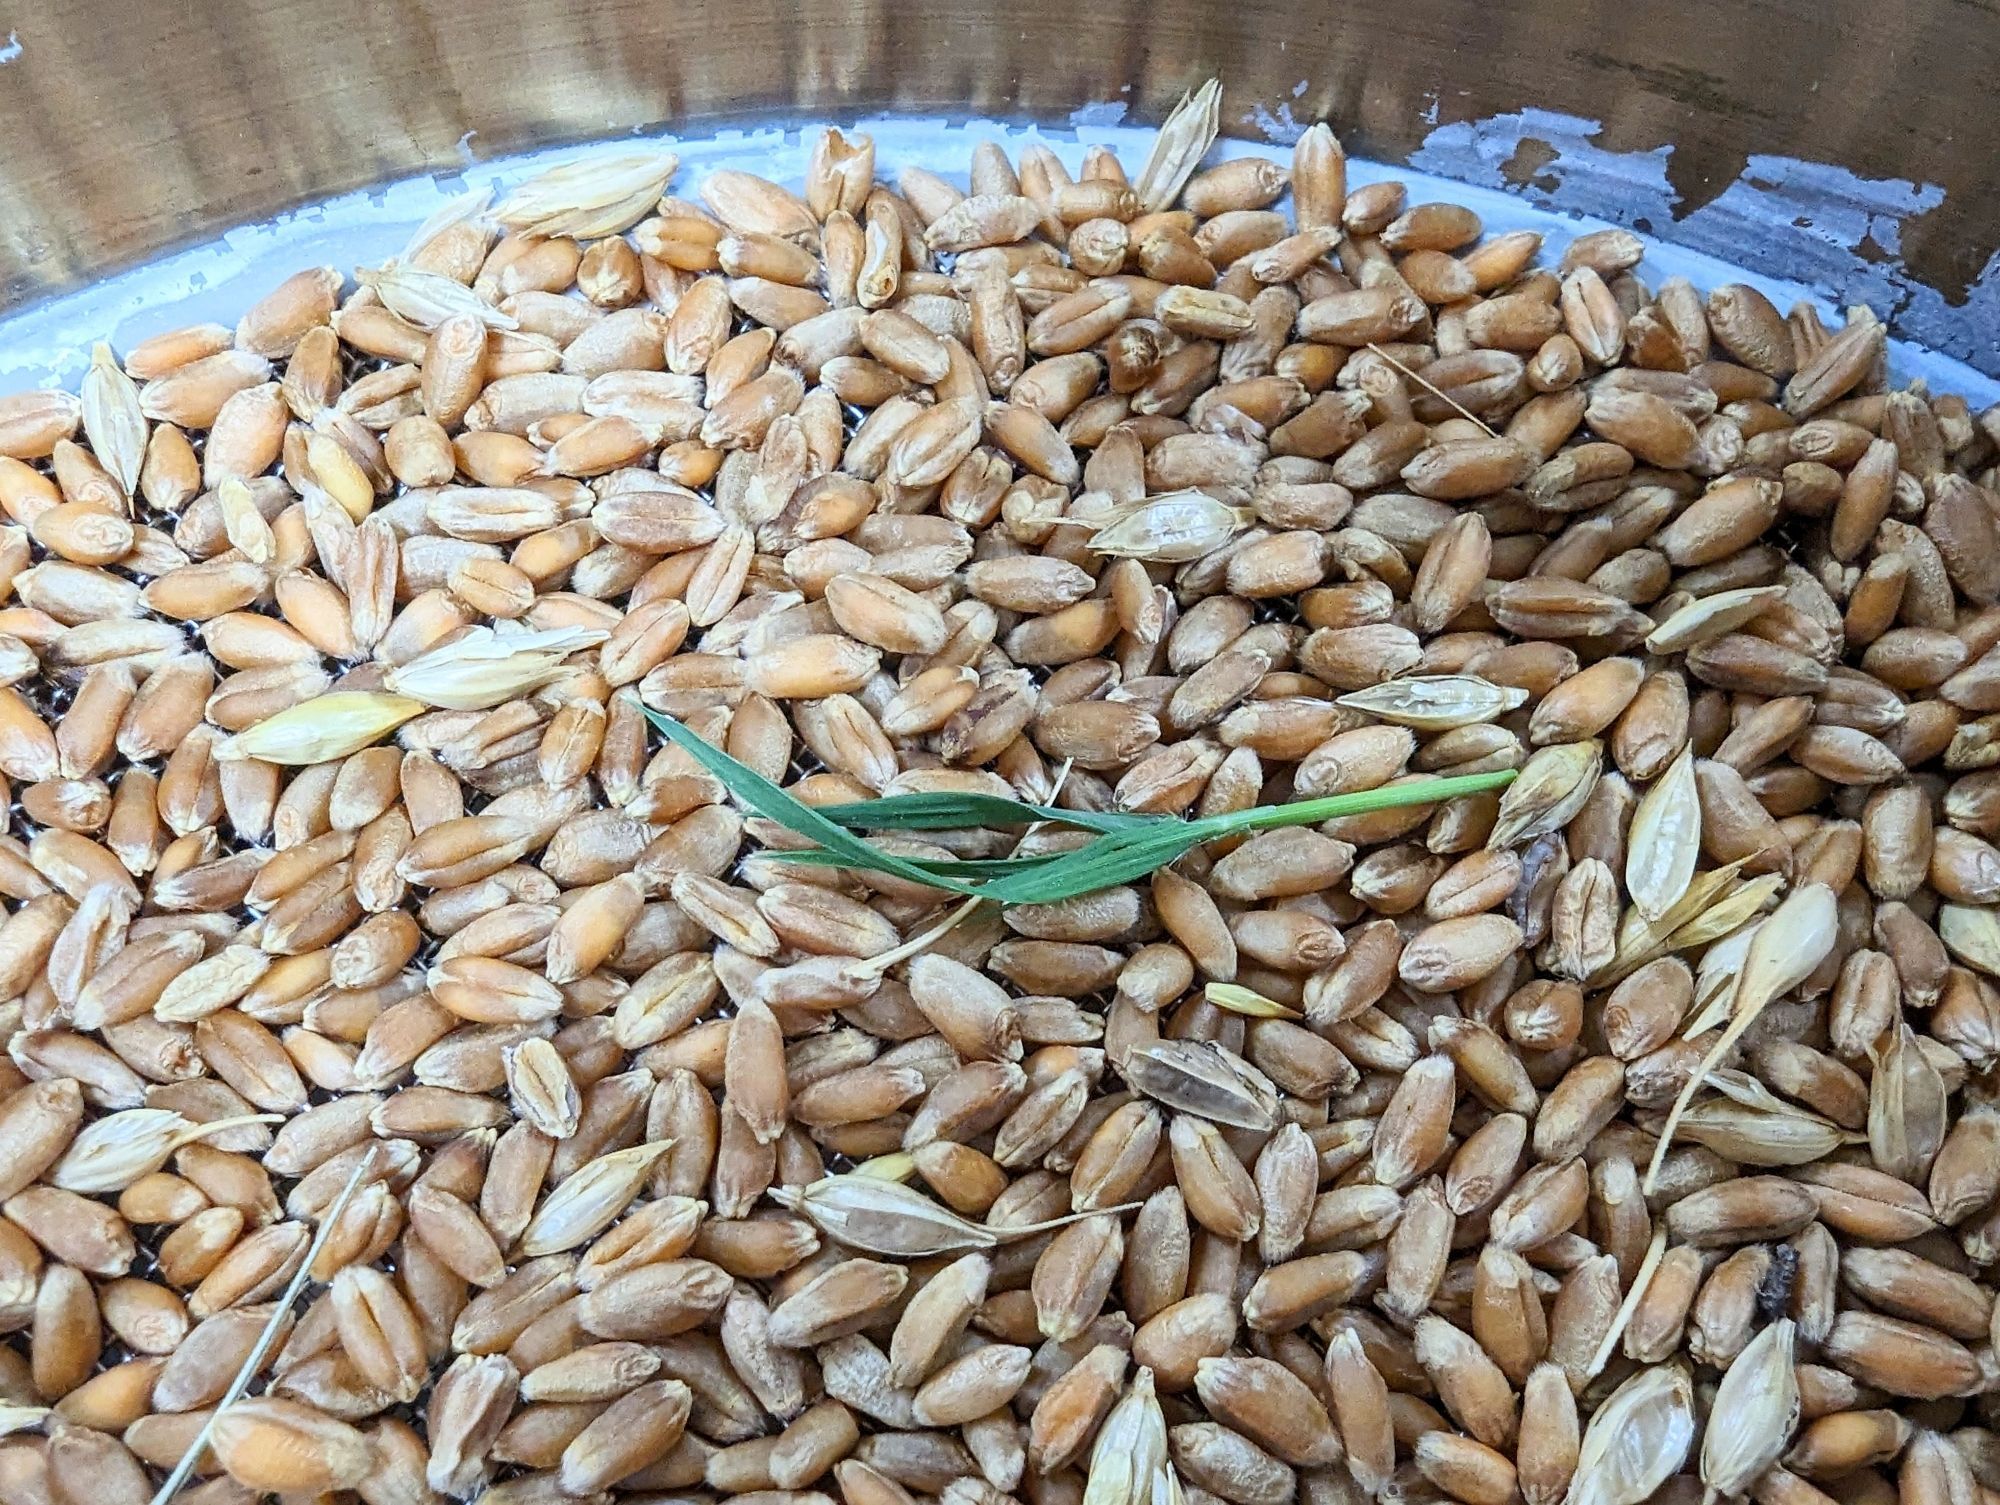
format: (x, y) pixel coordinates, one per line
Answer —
(134, 128)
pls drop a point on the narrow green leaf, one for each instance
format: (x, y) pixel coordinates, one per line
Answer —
(1127, 846)
(773, 803)
(1107, 860)
(969, 868)
(956, 812)
(1135, 853)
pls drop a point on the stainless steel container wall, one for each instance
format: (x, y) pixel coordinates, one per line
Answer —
(130, 126)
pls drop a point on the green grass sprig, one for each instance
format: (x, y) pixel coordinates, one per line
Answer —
(1124, 846)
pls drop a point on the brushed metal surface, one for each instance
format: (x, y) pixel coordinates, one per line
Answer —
(131, 126)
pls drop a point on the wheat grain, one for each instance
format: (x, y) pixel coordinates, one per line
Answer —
(1549, 745)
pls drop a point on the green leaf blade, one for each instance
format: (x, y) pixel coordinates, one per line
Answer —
(1125, 846)
(773, 803)
(956, 812)
(1107, 861)
(970, 869)
(1135, 853)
